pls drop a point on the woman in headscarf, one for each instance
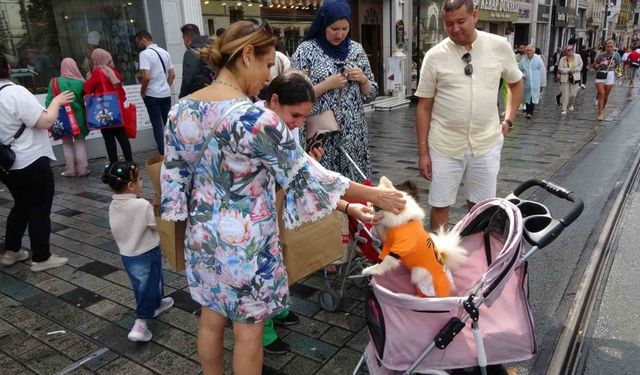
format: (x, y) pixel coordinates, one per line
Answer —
(105, 78)
(75, 153)
(343, 82)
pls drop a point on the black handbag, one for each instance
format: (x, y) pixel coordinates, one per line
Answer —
(602, 74)
(571, 78)
(7, 155)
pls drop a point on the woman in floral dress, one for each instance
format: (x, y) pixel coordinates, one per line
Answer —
(344, 82)
(233, 258)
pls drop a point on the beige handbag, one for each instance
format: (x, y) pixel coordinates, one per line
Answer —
(324, 121)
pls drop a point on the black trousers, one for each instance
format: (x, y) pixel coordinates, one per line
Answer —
(529, 108)
(583, 74)
(110, 136)
(32, 190)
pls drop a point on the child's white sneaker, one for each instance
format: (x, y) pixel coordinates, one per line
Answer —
(10, 257)
(140, 332)
(53, 262)
(165, 305)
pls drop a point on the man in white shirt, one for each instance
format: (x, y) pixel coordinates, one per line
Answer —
(457, 123)
(157, 77)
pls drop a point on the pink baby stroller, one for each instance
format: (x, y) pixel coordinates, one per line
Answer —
(491, 289)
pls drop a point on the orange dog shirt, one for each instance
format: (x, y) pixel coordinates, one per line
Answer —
(413, 245)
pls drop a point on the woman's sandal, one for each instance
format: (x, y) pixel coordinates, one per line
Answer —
(67, 174)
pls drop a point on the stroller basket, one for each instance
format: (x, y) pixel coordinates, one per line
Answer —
(402, 325)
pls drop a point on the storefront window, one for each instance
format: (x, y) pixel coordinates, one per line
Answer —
(428, 30)
(36, 35)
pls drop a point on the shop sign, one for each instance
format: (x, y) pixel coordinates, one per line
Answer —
(498, 10)
(565, 17)
(543, 13)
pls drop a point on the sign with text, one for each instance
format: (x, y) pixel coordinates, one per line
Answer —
(498, 10)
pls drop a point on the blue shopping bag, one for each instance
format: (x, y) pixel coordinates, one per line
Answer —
(66, 124)
(103, 111)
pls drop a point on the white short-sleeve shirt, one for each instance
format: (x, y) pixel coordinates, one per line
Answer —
(18, 106)
(465, 109)
(150, 60)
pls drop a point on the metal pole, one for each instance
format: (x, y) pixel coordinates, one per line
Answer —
(604, 22)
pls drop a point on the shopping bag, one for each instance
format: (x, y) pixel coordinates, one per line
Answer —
(311, 246)
(66, 124)
(103, 111)
(131, 121)
(171, 232)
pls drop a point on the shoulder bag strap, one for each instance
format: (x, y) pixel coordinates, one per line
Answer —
(164, 68)
(214, 129)
(22, 127)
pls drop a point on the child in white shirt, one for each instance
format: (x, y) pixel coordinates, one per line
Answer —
(133, 226)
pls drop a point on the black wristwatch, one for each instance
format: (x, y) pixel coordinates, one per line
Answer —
(508, 123)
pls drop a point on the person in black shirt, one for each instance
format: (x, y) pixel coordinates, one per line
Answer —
(585, 54)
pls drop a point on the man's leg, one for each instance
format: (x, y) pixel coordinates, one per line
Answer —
(446, 176)
(154, 109)
(482, 174)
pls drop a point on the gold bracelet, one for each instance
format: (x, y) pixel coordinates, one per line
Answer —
(346, 208)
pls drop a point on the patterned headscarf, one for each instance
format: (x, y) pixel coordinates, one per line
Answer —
(330, 12)
(102, 59)
(69, 69)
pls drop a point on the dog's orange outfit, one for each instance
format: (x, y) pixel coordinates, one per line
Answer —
(413, 245)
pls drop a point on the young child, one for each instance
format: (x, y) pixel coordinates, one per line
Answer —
(133, 226)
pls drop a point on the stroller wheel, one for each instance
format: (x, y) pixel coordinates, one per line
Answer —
(330, 299)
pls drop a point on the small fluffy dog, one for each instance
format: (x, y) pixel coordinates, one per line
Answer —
(428, 256)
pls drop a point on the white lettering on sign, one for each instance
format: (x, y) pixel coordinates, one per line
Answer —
(498, 5)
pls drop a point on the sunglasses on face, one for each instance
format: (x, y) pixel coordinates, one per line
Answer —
(468, 69)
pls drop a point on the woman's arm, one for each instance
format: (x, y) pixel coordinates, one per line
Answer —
(387, 200)
(51, 114)
(563, 66)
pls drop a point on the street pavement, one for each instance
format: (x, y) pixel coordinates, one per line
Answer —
(90, 299)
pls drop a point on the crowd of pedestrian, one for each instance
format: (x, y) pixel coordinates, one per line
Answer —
(225, 184)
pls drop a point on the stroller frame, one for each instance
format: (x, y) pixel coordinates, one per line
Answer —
(539, 229)
(331, 298)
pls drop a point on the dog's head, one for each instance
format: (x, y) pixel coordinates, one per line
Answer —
(412, 210)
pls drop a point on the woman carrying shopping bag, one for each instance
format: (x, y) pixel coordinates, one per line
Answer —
(106, 79)
(73, 146)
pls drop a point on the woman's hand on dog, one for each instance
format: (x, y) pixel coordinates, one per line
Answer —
(391, 200)
(361, 212)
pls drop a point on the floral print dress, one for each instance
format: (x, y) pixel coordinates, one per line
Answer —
(233, 257)
(347, 104)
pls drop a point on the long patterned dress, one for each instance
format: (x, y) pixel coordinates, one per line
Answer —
(233, 257)
(347, 104)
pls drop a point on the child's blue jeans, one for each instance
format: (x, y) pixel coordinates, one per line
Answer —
(145, 273)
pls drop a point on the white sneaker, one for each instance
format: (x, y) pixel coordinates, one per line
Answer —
(53, 262)
(10, 257)
(563, 113)
(571, 109)
(165, 305)
(140, 332)
(583, 86)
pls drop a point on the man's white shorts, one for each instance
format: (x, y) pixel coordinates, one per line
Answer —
(480, 176)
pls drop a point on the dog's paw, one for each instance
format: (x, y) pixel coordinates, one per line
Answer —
(371, 270)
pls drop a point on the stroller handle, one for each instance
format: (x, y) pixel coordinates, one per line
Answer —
(542, 237)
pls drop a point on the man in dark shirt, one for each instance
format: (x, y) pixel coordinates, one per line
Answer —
(586, 63)
(196, 73)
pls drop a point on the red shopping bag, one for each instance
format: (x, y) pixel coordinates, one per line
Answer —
(66, 124)
(131, 121)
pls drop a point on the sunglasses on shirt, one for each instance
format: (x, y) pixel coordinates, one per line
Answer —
(468, 69)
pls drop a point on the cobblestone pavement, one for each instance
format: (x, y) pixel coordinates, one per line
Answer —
(90, 299)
